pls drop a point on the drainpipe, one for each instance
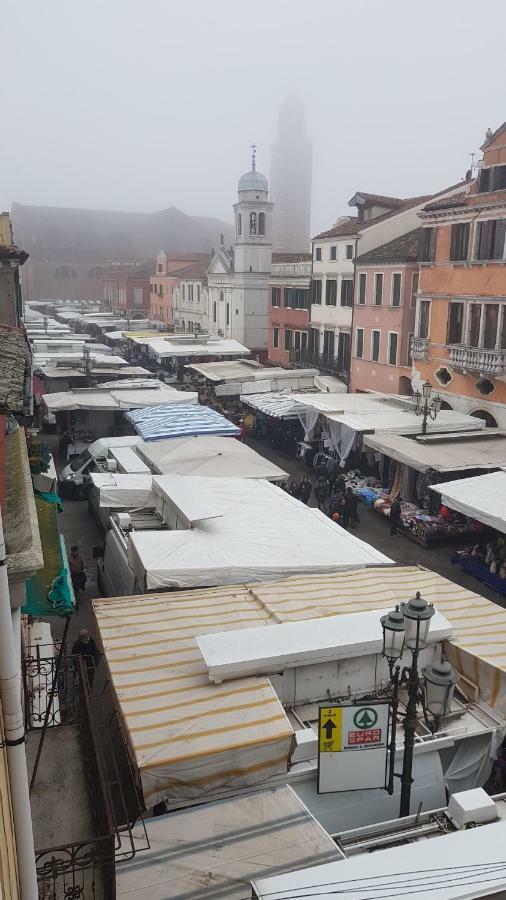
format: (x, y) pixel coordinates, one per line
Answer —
(10, 695)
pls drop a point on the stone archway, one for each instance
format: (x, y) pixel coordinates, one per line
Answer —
(490, 422)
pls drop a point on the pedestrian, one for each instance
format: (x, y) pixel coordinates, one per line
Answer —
(86, 647)
(321, 492)
(339, 484)
(64, 443)
(305, 490)
(77, 571)
(351, 502)
(332, 470)
(395, 516)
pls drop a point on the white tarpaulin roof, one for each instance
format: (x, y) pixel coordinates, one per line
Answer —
(482, 497)
(448, 454)
(262, 534)
(152, 653)
(117, 399)
(248, 370)
(389, 418)
(459, 866)
(162, 347)
(119, 491)
(209, 456)
(268, 831)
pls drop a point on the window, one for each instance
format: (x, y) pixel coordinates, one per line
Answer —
(375, 345)
(198, 293)
(304, 340)
(393, 339)
(362, 286)
(276, 296)
(275, 338)
(414, 289)
(474, 324)
(191, 292)
(349, 251)
(137, 298)
(297, 298)
(490, 325)
(347, 292)
(344, 351)
(318, 254)
(455, 323)
(459, 242)
(490, 237)
(261, 223)
(314, 340)
(331, 292)
(316, 291)
(296, 340)
(333, 253)
(214, 311)
(410, 338)
(159, 268)
(288, 297)
(395, 298)
(423, 319)
(239, 223)
(359, 343)
(378, 289)
(428, 244)
(502, 336)
(221, 296)
(328, 344)
(228, 314)
(492, 179)
(288, 339)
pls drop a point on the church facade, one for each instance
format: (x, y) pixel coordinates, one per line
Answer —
(238, 278)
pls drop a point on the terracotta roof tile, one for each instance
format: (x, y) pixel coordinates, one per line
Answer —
(351, 226)
(378, 199)
(290, 257)
(402, 249)
(447, 202)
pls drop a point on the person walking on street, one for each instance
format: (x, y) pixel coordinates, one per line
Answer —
(77, 571)
(350, 504)
(321, 492)
(86, 647)
(395, 516)
(64, 443)
(332, 470)
(305, 490)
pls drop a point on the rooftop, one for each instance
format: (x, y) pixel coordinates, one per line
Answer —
(401, 249)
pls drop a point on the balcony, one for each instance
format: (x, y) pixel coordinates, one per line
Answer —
(332, 365)
(476, 359)
(418, 348)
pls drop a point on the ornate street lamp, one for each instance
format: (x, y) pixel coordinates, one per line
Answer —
(425, 406)
(408, 626)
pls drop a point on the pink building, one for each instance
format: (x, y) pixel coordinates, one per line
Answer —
(288, 305)
(386, 283)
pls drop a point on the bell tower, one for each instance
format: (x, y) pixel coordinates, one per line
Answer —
(253, 222)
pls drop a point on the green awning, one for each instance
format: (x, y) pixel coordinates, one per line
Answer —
(49, 592)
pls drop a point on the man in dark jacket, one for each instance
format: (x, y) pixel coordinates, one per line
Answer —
(87, 648)
(350, 508)
(321, 492)
(395, 516)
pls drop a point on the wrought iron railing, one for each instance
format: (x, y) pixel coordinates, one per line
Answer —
(85, 870)
(335, 365)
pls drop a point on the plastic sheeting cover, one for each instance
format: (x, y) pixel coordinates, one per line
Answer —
(123, 491)
(482, 497)
(208, 456)
(446, 455)
(165, 422)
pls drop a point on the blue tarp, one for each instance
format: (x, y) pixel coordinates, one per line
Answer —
(156, 423)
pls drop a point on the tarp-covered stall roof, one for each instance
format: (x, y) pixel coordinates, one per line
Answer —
(404, 421)
(122, 398)
(444, 455)
(238, 735)
(482, 497)
(164, 422)
(208, 456)
(119, 491)
(278, 405)
(247, 370)
(262, 534)
(165, 347)
(265, 832)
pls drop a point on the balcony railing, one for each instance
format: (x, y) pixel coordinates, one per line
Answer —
(334, 365)
(419, 348)
(476, 359)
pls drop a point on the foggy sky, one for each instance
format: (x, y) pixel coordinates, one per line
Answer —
(144, 104)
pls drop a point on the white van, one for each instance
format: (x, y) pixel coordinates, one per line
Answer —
(73, 476)
(115, 577)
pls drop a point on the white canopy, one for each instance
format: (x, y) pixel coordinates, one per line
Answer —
(210, 456)
(255, 833)
(118, 491)
(446, 453)
(405, 421)
(262, 534)
(163, 347)
(117, 399)
(482, 497)
(277, 404)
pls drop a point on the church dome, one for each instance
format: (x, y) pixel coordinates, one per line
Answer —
(253, 181)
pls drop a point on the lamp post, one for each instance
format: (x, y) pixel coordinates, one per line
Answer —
(427, 406)
(408, 626)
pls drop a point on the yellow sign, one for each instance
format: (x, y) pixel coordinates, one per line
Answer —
(330, 729)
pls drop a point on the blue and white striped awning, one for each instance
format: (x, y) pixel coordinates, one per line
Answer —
(159, 422)
(277, 404)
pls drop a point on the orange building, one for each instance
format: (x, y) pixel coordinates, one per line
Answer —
(460, 326)
(165, 280)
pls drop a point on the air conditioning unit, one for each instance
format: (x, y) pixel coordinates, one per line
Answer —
(123, 520)
(474, 807)
(112, 465)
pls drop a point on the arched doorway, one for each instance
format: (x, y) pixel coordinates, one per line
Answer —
(490, 422)
(405, 385)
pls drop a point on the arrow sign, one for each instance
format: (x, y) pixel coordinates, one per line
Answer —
(328, 727)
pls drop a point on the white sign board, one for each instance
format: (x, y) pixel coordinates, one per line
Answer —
(345, 734)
